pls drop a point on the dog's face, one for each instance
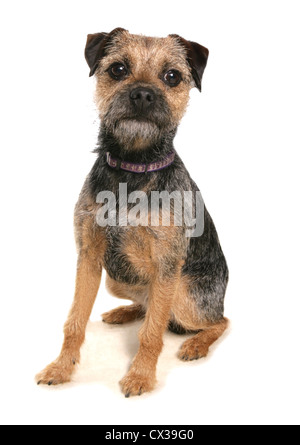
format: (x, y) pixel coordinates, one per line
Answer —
(143, 83)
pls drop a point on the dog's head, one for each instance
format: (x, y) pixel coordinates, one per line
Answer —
(143, 83)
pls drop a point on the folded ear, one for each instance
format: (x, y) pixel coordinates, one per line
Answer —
(96, 47)
(197, 56)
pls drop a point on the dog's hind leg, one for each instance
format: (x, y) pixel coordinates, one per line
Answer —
(124, 314)
(198, 346)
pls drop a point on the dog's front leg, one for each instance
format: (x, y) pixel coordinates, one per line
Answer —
(142, 375)
(87, 286)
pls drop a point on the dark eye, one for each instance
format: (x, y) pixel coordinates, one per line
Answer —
(118, 71)
(172, 78)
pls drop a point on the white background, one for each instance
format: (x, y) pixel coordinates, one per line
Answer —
(240, 142)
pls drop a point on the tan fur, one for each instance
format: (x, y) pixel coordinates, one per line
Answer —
(125, 291)
(148, 56)
(124, 314)
(142, 374)
(184, 309)
(198, 346)
(164, 294)
(87, 285)
(89, 271)
(137, 241)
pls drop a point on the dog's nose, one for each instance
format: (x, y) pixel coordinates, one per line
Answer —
(142, 97)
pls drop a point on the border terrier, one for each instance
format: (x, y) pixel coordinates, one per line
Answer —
(175, 282)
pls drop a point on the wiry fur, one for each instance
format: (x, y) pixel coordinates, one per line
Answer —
(172, 280)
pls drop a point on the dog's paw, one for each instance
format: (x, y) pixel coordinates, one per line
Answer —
(116, 316)
(123, 314)
(135, 384)
(192, 349)
(56, 373)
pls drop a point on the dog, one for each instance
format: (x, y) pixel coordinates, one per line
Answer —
(175, 281)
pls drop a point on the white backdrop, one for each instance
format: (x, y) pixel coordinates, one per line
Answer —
(240, 142)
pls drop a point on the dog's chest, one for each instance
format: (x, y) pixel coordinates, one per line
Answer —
(127, 257)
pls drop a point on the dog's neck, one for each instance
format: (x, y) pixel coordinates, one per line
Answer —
(151, 153)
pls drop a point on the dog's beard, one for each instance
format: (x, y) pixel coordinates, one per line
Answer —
(134, 133)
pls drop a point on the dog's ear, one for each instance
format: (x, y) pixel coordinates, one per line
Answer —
(96, 47)
(197, 56)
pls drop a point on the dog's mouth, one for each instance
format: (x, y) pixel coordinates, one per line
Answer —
(136, 120)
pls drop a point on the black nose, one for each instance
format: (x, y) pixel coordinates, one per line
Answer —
(142, 98)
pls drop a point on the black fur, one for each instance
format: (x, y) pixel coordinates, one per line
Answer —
(204, 259)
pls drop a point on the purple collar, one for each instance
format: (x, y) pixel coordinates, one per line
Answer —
(140, 168)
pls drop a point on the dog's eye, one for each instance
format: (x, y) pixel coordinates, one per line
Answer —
(172, 78)
(118, 71)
